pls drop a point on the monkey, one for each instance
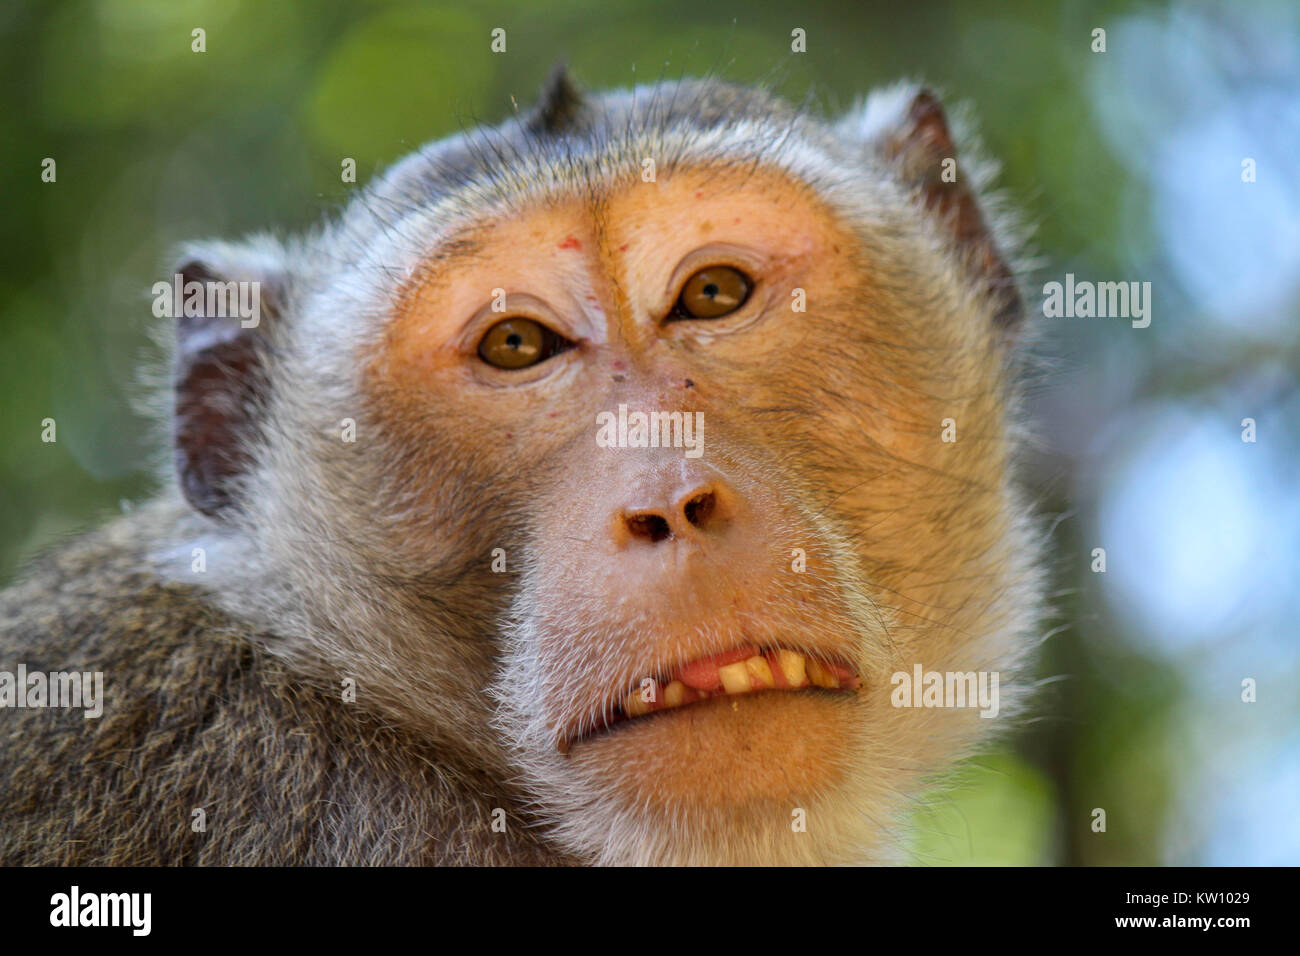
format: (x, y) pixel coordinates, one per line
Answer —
(585, 493)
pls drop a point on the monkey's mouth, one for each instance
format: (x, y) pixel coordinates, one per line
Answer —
(745, 670)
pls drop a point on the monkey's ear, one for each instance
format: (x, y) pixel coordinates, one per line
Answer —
(559, 106)
(906, 127)
(227, 295)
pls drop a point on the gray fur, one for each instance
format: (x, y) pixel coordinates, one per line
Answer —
(224, 686)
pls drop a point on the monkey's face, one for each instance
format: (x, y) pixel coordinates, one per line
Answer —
(701, 608)
(660, 478)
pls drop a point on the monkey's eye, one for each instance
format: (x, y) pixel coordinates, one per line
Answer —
(712, 293)
(519, 343)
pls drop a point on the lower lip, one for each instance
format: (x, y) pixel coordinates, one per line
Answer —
(619, 722)
(849, 684)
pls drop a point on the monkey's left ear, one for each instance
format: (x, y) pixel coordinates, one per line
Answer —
(907, 128)
(229, 294)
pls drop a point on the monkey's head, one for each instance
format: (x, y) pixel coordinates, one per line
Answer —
(627, 451)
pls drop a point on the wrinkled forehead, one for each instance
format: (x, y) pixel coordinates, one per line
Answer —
(420, 206)
(601, 138)
(623, 136)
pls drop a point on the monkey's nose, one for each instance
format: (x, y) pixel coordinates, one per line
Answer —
(700, 511)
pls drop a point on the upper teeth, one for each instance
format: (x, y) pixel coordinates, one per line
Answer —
(735, 677)
(822, 676)
(792, 665)
(762, 674)
(779, 669)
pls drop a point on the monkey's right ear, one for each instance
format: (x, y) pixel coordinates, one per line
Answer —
(227, 295)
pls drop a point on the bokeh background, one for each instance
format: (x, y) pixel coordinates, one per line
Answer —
(1129, 162)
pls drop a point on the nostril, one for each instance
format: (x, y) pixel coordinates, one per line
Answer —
(703, 511)
(649, 527)
(700, 508)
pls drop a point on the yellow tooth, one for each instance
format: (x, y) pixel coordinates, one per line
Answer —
(792, 666)
(735, 678)
(674, 693)
(634, 706)
(821, 676)
(757, 666)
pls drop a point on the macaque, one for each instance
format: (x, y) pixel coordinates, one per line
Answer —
(592, 489)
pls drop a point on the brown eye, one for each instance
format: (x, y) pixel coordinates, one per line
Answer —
(518, 343)
(712, 292)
